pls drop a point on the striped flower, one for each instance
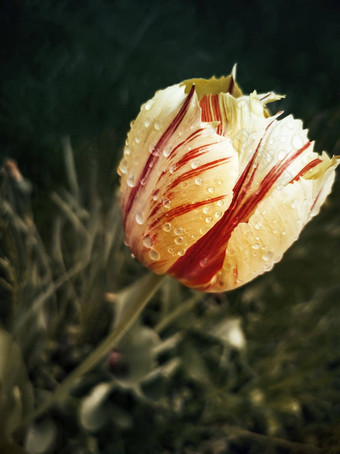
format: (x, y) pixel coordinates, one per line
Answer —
(214, 189)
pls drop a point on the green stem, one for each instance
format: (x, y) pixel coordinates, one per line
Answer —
(144, 289)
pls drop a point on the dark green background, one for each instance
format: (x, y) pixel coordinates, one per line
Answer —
(84, 68)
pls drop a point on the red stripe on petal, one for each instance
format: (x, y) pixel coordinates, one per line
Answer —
(205, 258)
(180, 210)
(196, 172)
(153, 158)
(309, 166)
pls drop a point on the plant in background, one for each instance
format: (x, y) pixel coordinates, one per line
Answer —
(214, 189)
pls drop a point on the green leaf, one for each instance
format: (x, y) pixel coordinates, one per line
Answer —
(16, 394)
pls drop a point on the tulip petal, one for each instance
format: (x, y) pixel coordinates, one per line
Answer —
(182, 188)
(254, 247)
(256, 184)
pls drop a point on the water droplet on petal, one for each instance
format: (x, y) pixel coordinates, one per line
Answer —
(140, 217)
(203, 262)
(178, 230)
(179, 240)
(208, 219)
(149, 104)
(167, 151)
(137, 139)
(218, 214)
(147, 241)
(171, 251)
(293, 204)
(147, 123)
(157, 126)
(154, 255)
(268, 256)
(131, 181)
(123, 166)
(206, 210)
(181, 253)
(255, 246)
(195, 164)
(167, 227)
(172, 169)
(166, 203)
(198, 181)
(220, 203)
(297, 141)
(143, 181)
(127, 151)
(211, 189)
(258, 225)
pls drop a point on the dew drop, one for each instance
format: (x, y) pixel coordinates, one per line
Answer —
(179, 240)
(143, 181)
(211, 189)
(283, 233)
(171, 251)
(157, 126)
(218, 214)
(140, 217)
(154, 255)
(172, 169)
(147, 123)
(275, 231)
(255, 246)
(203, 262)
(268, 256)
(178, 231)
(293, 204)
(149, 104)
(155, 196)
(131, 181)
(127, 151)
(220, 203)
(137, 139)
(198, 181)
(208, 219)
(258, 225)
(206, 210)
(167, 151)
(167, 227)
(219, 182)
(181, 253)
(123, 166)
(195, 164)
(147, 241)
(166, 203)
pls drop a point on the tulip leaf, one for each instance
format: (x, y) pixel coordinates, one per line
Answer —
(16, 395)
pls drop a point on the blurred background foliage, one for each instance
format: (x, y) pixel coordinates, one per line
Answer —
(256, 370)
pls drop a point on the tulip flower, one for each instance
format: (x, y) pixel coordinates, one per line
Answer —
(214, 189)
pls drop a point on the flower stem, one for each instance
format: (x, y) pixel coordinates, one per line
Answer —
(134, 299)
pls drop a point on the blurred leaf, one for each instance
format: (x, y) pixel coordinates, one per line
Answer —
(16, 394)
(41, 437)
(92, 412)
